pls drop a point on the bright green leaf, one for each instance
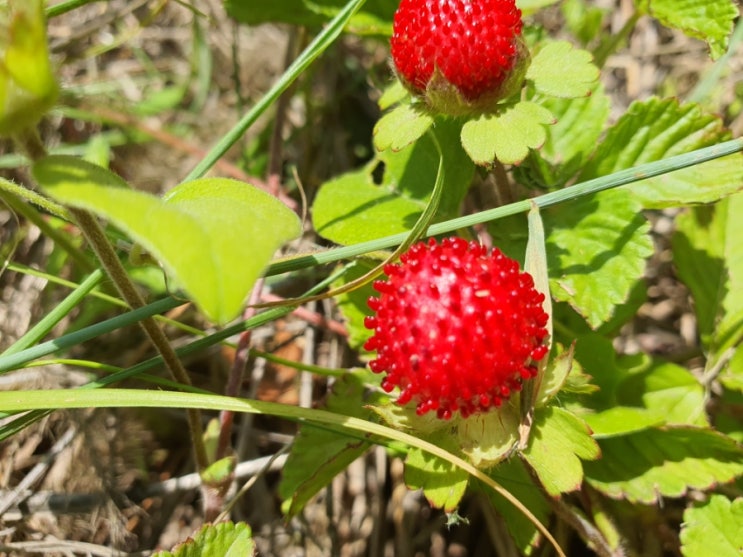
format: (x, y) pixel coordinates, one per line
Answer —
(665, 462)
(214, 236)
(621, 420)
(361, 206)
(394, 93)
(226, 539)
(655, 129)
(217, 473)
(318, 455)
(713, 527)
(560, 70)
(559, 441)
(708, 20)
(508, 135)
(564, 152)
(443, 484)
(668, 390)
(598, 248)
(400, 127)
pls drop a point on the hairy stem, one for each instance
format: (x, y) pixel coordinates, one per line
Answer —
(31, 144)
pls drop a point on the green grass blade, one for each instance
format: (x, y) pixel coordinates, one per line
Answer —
(313, 50)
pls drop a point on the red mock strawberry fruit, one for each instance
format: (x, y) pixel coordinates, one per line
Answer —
(461, 56)
(456, 328)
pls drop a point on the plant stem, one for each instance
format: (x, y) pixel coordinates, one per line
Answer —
(590, 534)
(31, 144)
(103, 249)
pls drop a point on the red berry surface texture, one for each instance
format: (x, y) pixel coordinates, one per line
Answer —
(456, 328)
(462, 56)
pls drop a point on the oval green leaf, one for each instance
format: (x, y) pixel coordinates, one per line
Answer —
(214, 236)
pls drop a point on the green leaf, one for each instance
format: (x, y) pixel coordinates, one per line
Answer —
(375, 17)
(664, 462)
(400, 127)
(318, 455)
(636, 392)
(598, 247)
(583, 19)
(621, 420)
(214, 236)
(359, 206)
(708, 255)
(560, 70)
(226, 539)
(443, 484)
(508, 135)
(217, 473)
(667, 389)
(564, 152)
(513, 475)
(708, 20)
(558, 442)
(713, 527)
(655, 129)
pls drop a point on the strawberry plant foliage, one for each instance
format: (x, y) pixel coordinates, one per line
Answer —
(184, 230)
(713, 527)
(501, 370)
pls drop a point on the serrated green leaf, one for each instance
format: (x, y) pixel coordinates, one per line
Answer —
(508, 135)
(636, 392)
(598, 247)
(318, 455)
(374, 17)
(560, 70)
(664, 462)
(443, 484)
(622, 420)
(214, 236)
(564, 152)
(655, 129)
(559, 441)
(667, 389)
(713, 527)
(489, 437)
(225, 539)
(709, 257)
(400, 127)
(355, 208)
(708, 20)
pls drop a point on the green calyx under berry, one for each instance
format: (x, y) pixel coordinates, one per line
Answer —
(456, 328)
(461, 56)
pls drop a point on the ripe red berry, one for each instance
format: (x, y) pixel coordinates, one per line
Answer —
(456, 328)
(462, 56)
